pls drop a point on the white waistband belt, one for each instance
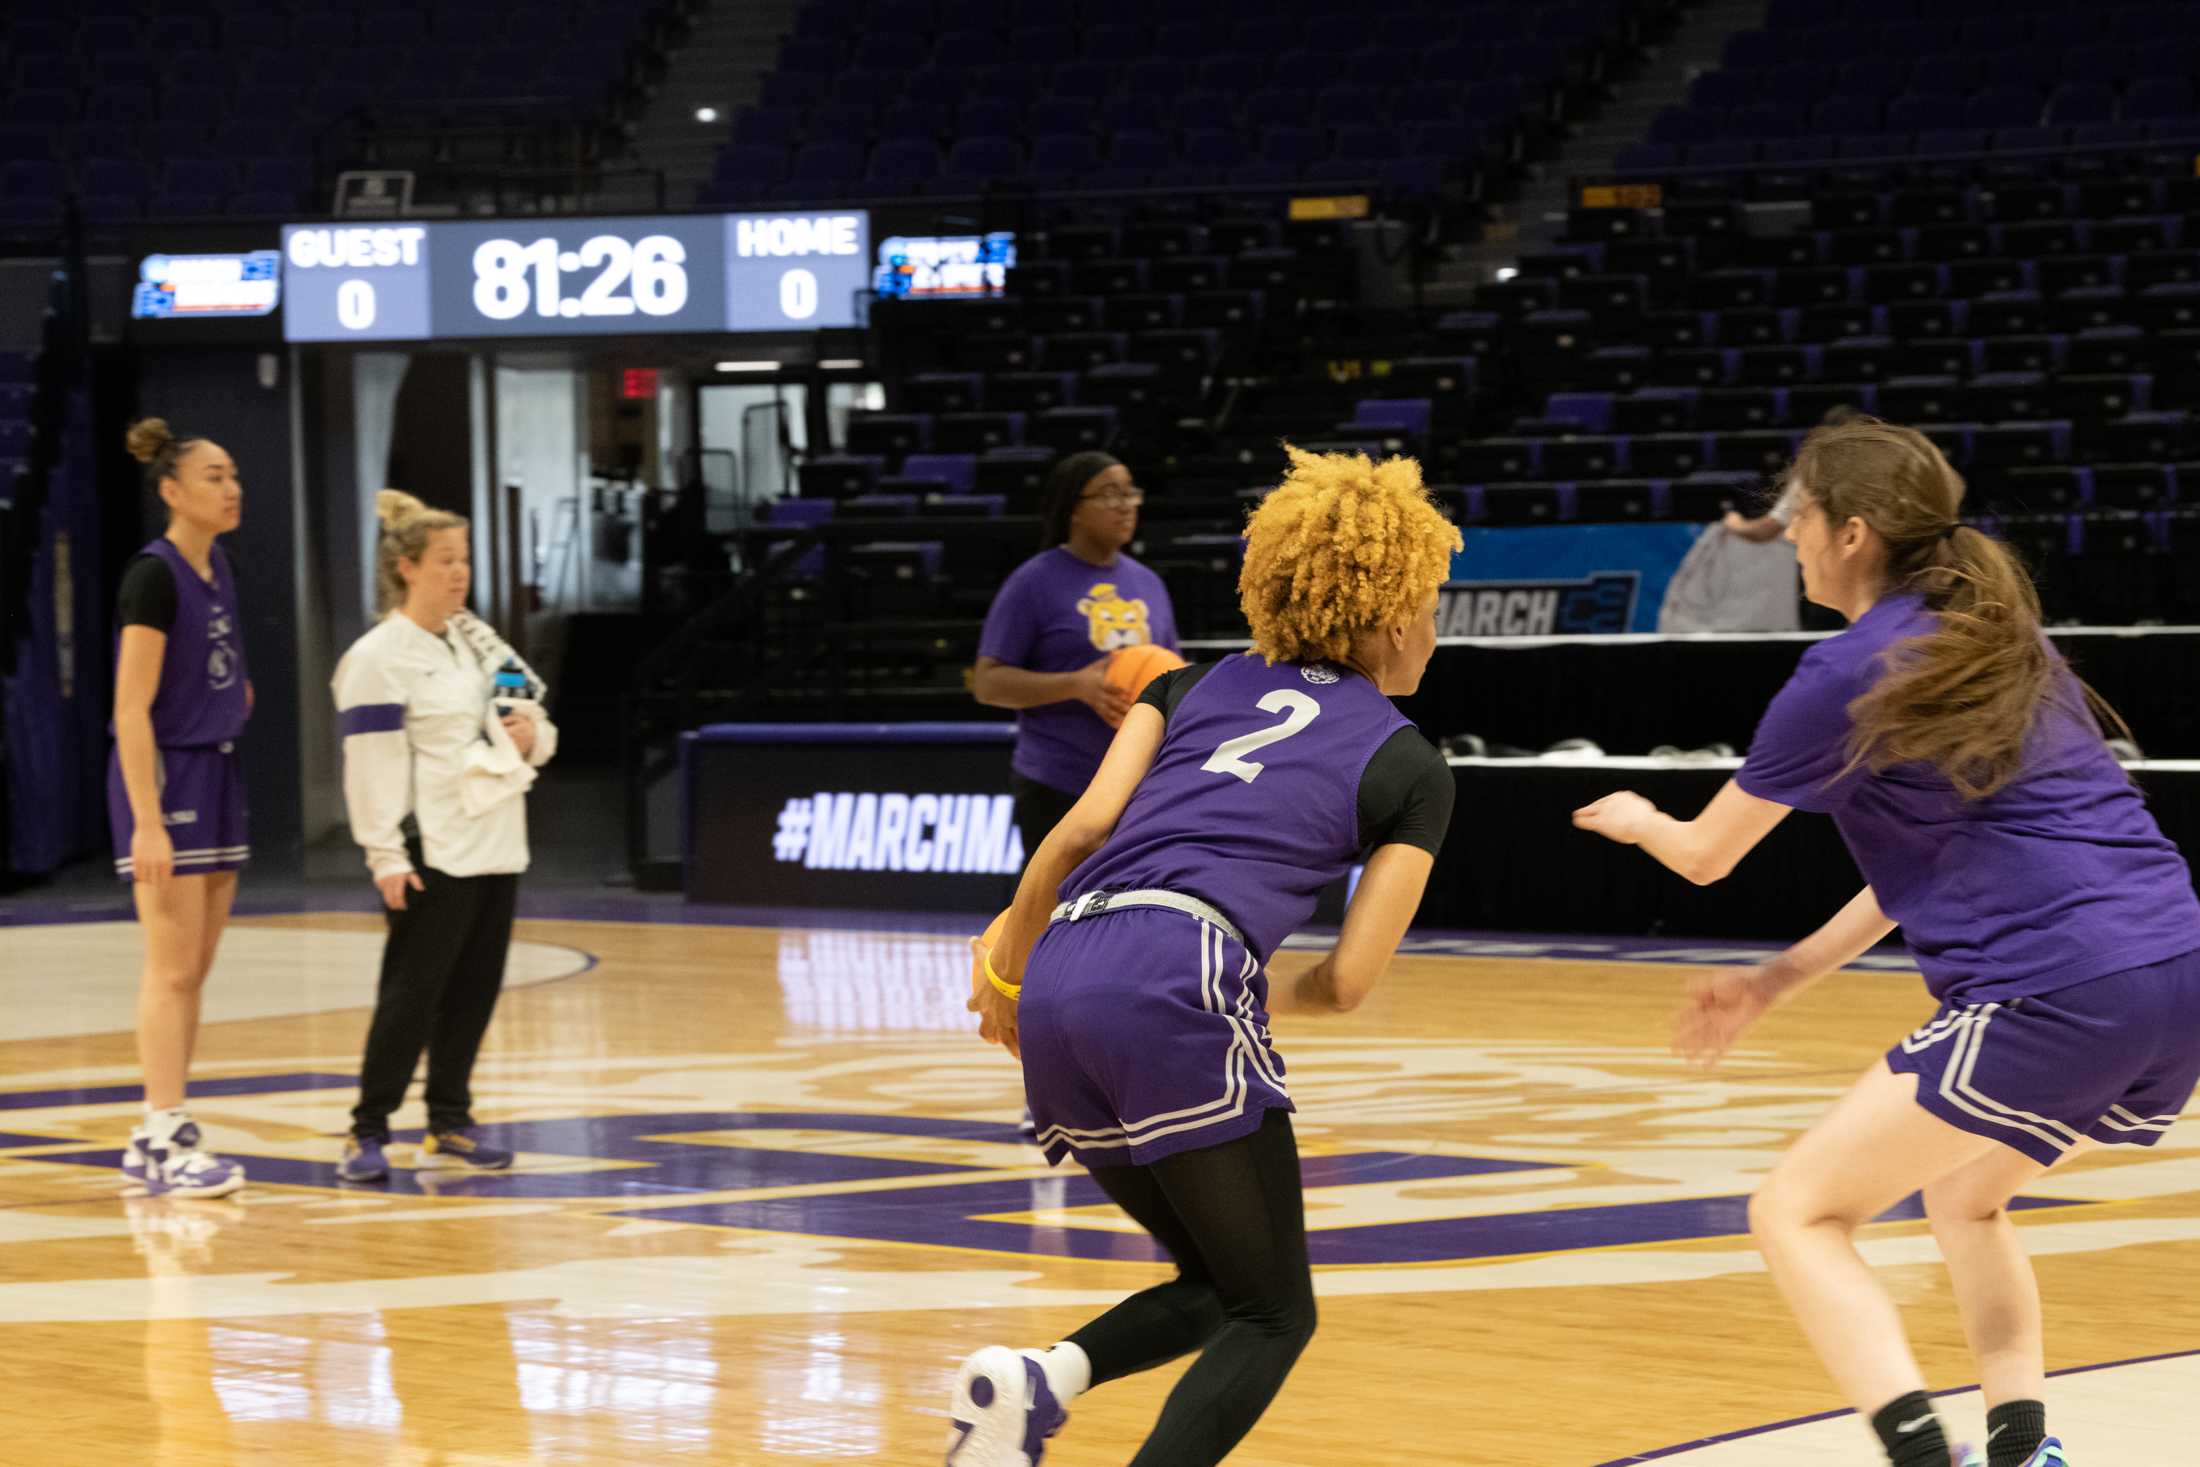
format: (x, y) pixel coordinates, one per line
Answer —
(1094, 903)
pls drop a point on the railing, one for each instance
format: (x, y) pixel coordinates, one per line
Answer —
(795, 623)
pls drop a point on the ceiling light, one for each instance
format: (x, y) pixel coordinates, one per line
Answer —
(706, 114)
(748, 366)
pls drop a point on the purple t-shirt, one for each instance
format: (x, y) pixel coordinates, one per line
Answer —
(1056, 614)
(2058, 877)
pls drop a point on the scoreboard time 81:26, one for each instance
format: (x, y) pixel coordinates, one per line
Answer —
(573, 277)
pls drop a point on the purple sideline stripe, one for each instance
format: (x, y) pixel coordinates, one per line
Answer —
(200, 1089)
(1747, 1432)
(855, 733)
(369, 718)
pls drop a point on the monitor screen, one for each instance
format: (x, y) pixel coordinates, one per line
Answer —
(184, 287)
(942, 267)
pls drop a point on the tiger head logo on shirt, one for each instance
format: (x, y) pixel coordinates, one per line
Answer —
(1115, 622)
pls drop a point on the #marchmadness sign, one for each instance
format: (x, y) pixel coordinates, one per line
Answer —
(1561, 580)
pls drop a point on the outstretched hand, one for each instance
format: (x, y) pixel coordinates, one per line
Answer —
(1622, 816)
(1718, 1011)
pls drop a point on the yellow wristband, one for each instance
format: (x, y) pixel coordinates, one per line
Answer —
(1001, 985)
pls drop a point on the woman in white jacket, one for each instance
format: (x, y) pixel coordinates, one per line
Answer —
(443, 729)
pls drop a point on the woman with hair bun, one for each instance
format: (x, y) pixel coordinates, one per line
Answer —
(1130, 974)
(1965, 768)
(443, 728)
(175, 786)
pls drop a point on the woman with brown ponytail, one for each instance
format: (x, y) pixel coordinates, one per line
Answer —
(175, 787)
(443, 729)
(1965, 767)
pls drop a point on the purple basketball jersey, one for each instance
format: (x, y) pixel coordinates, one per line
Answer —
(201, 699)
(1252, 803)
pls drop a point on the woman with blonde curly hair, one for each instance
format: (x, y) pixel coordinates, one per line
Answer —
(1130, 975)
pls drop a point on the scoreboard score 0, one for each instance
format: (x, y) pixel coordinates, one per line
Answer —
(568, 277)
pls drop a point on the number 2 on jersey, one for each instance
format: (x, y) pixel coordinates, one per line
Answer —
(1298, 709)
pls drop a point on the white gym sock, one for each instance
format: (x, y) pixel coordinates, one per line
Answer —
(1067, 1368)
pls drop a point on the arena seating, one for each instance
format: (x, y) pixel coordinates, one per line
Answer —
(1847, 79)
(222, 108)
(884, 98)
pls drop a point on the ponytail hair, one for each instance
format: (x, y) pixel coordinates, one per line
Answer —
(406, 526)
(1962, 698)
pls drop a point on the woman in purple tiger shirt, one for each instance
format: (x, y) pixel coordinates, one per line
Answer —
(1965, 768)
(1052, 629)
(175, 786)
(1131, 973)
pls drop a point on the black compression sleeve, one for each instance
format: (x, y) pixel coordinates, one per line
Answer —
(148, 595)
(1168, 690)
(1406, 794)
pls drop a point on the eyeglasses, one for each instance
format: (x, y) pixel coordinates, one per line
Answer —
(1111, 497)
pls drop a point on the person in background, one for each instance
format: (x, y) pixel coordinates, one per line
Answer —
(1773, 523)
(1052, 629)
(175, 785)
(443, 729)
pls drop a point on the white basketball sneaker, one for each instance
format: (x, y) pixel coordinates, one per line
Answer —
(1003, 1411)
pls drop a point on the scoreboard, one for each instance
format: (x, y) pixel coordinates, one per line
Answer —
(552, 277)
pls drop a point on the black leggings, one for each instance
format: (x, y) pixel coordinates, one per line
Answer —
(1039, 808)
(1234, 1219)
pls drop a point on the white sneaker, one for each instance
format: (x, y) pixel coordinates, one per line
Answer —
(175, 1166)
(1002, 1412)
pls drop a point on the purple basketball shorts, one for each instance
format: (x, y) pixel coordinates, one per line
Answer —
(2111, 1060)
(202, 801)
(1145, 1033)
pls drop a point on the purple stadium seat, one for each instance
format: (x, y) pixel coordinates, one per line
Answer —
(1291, 147)
(903, 164)
(823, 167)
(2157, 97)
(2003, 107)
(1848, 113)
(750, 166)
(1060, 157)
(986, 157)
(1156, 76)
(1921, 114)
(2076, 104)
(1140, 151)
(2097, 63)
(1724, 153)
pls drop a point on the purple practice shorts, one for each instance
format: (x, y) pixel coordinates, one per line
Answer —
(202, 800)
(1145, 1033)
(2112, 1060)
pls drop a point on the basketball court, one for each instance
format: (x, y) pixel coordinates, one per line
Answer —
(770, 1193)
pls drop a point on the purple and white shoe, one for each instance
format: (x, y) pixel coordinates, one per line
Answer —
(461, 1149)
(137, 1162)
(1966, 1456)
(175, 1166)
(1003, 1411)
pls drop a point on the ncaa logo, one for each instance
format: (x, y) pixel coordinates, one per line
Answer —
(1320, 674)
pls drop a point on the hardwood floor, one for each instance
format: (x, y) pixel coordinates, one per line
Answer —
(770, 1194)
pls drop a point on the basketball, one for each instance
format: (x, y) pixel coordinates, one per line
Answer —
(986, 944)
(1131, 669)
